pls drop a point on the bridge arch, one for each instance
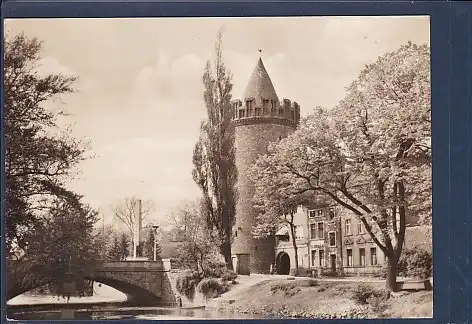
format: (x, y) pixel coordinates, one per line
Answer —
(135, 294)
(144, 283)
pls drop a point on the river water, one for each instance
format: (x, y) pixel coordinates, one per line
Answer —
(106, 304)
(123, 313)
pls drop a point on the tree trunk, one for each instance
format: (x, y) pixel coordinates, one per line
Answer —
(226, 251)
(391, 278)
(295, 249)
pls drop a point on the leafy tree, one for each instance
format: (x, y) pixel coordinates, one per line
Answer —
(39, 156)
(114, 253)
(46, 223)
(214, 154)
(126, 211)
(123, 246)
(371, 154)
(149, 246)
(196, 251)
(61, 249)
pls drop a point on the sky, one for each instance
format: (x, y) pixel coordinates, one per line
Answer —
(139, 100)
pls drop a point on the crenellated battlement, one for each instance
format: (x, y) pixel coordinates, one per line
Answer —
(260, 109)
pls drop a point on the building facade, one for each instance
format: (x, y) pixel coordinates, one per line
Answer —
(259, 119)
(330, 241)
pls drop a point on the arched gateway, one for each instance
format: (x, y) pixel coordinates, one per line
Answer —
(283, 263)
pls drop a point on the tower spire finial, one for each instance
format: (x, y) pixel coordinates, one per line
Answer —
(260, 52)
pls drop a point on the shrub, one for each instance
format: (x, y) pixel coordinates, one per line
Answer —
(214, 269)
(378, 303)
(363, 292)
(302, 272)
(416, 263)
(288, 289)
(211, 288)
(186, 282)
(381, 272)
(312, 283)
(229, 275)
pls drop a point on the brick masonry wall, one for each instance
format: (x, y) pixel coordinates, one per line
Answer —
(251, 141)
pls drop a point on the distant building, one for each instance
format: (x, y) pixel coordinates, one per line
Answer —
(332, 240)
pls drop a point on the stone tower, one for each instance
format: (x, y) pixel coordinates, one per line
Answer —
(259, 120)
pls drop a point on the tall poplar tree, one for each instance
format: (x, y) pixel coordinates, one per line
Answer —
(214, 154)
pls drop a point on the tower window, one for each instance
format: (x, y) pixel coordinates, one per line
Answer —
(265, 103)
(249, 107)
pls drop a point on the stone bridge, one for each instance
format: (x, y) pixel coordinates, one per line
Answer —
(143, 282)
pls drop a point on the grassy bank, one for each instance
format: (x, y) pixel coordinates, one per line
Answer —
(308, 298)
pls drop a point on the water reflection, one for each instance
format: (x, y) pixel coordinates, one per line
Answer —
(129, 313)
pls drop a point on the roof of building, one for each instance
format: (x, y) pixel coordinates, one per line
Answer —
(260, 85)
(284, 231)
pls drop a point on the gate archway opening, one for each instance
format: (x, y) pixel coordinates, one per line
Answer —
(283, 263)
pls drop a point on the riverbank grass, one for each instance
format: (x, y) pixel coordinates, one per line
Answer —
(308, 298)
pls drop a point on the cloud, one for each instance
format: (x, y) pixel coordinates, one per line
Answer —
(171, 78)
(50, 65)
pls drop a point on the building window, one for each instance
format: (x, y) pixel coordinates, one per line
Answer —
(347, 227)
(258, 111)
(320, 212)
(312, 213)
(320, 231)
(331, 213)
(362, 256)
(281, 112)
(332, 239)
(312, 231)
(298, 232)
(349, 257)
(322, 260)
(236, 234)
(292, 114)
(313, 258)
(249, 108)
(241, 113)
(360, 228)
(373, 256)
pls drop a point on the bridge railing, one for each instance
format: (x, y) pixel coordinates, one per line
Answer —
(163, 265)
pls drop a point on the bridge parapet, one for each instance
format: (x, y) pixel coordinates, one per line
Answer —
(132, 266)
(136, 265)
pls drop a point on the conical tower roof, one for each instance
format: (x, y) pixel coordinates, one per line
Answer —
(260, 85)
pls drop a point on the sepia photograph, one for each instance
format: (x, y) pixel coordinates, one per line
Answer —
(218, 168)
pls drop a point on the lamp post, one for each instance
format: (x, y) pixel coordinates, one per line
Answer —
(155, 227)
